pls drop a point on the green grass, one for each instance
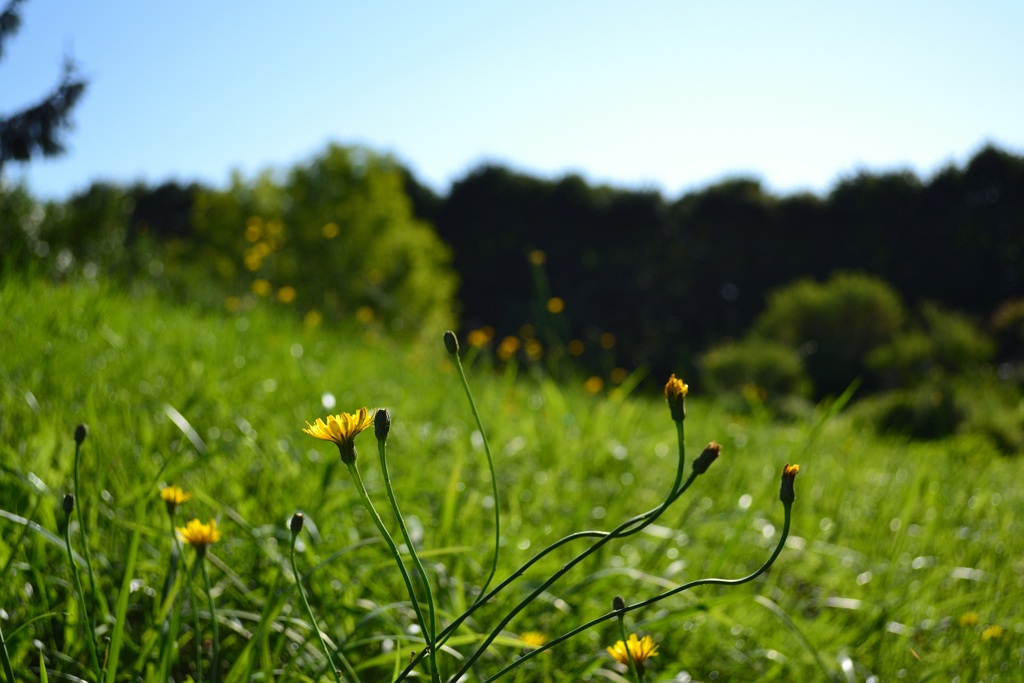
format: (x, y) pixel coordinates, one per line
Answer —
(892, 542)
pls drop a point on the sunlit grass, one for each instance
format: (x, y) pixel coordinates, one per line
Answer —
(893, 542)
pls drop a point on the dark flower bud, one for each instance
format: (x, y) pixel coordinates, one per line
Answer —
(706, 457)
(296, 523)
(675, 394)
(786, 493)
(451, 342)
(382, 424)
(81, 431)
(618, 604)
(69, 503)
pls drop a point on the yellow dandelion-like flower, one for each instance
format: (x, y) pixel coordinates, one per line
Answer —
(342, 430)
(533, 639)
(174, 496)
(641, 648)
(199, 535)
(969, 619)
(992, 632)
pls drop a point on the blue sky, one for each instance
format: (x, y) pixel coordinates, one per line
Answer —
(670, 95)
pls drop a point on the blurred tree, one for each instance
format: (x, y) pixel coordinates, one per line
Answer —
(38, 129)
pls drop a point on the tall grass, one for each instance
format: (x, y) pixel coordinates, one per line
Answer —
(893, 543)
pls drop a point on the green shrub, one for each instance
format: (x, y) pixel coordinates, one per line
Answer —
(834, 324)
(771, 369)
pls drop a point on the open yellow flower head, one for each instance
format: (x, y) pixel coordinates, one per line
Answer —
(342, 430)
(675, 394)
(533, 639)
(174, 496)
(992, 632)
(786, 493)
(199, 535)
(969, 619)
(640, 648)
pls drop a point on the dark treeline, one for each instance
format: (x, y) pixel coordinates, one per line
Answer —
(667, 278)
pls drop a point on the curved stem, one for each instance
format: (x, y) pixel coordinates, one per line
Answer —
(354, 471)
(215, 662)
(85, 540)
(494, 479)
(629, 608)
(672, 495)
(81, 602)
(432, 634)
(5, 656)
(309, 613)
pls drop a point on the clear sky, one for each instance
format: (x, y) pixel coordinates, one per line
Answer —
(670, 95)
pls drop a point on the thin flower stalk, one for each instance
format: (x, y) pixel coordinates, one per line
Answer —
(627, 648)
(432, 633)
(309, 613)
(215, 659)
(368, 504)
(453, 348)
(89, 636)
(80, 434)
(199, 536)
(645, 603)
(6, 658)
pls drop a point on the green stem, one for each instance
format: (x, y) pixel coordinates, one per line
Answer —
(354, 471)
(195, 619)
(215, 662)
(625, 643)
(85, 541)
(629, 608)
(672, 495)
(640, 521)
(309, 613)
(494, 479)
(5, 656)
(382, 452)
(81, 602)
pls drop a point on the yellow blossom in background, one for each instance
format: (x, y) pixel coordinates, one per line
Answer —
(199, 535)
(232, 303)
(576, 347)
(330, 231)
(174, 496)
(364, 314)
(508, 347)
(538, 257)
(342, 430)
(642, 649)
(534, 349)
(286, 294)
(992, 632)
(969, 619)
(533, 639)
(607, 340)
(619, 375)
(313, 319)
(260, 287)
(254, 229)
(593, 385)
(481, 337)
(556, 305)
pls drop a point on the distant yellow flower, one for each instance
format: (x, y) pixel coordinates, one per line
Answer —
(641, 649)
(199, 535)
(173, 497)
(593, 385)
(533, 639)
(342, 430)
(286, 294)
(992, 632)
(969, 619)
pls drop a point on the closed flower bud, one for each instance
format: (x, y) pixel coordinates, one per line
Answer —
(675, 394)
(81, 431)
(382, 424)
(706, 457)
(451, 342)
(69, 503)
(786, 493)
(618, 604)
(296, 523)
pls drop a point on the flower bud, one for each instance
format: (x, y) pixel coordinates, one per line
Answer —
(81, 431)
(618, 604)
(786, 493)
(451, 342)
(69, 503)
(382, 424)
(706, 457)
(675, 394)
(296, 523)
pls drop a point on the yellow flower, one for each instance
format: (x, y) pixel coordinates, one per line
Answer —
(969, 619)
(342, 430)
(199, 535)
(641, 649)
(992, 632)
(173, 497)
(533, 639)
(675, 394)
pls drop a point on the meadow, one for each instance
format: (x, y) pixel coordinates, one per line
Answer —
(905, 559)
